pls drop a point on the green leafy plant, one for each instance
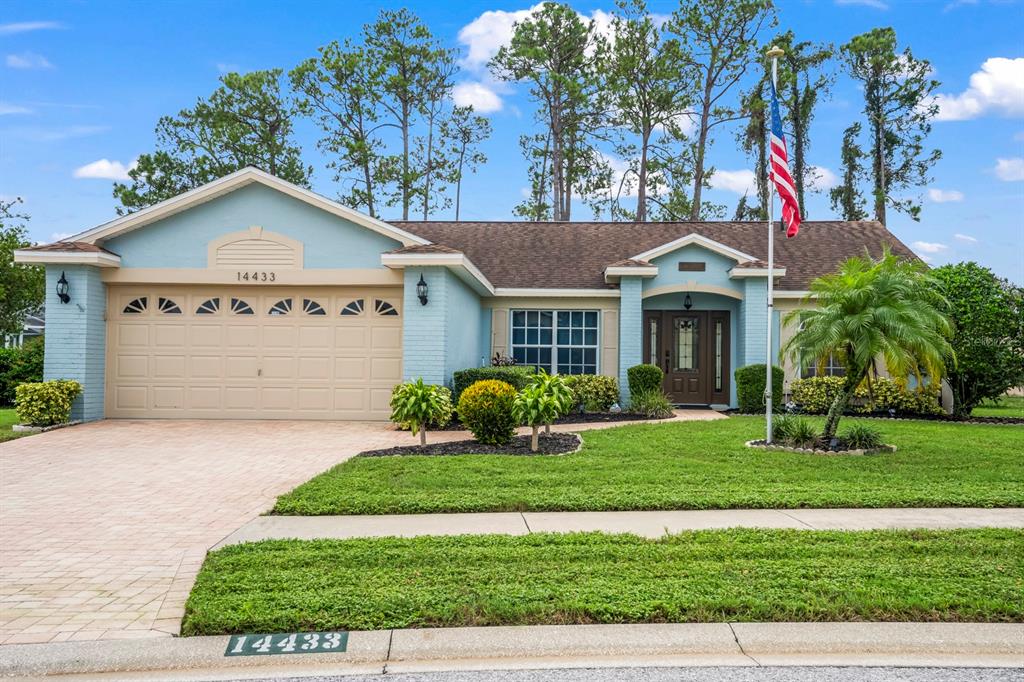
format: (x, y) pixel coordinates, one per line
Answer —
(815, 395)
(486, 410)
(861, 437)
(557, 386)
(873, 307)
(796, 431)
(420, 405)
(19, 366)
(595, 392)
(653, 404)
(517, 376)
(750, 383)
(47, 402)
(533, 406)
(645, 379)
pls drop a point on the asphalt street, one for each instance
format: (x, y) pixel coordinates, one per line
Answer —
(711, 674)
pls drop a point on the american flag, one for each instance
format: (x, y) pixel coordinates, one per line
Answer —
(780, 172)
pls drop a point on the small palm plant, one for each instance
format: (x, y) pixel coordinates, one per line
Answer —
(417, 404)
(534, 406)
(873, 308)
(558, 388)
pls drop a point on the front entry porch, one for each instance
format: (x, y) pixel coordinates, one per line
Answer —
(692, 348)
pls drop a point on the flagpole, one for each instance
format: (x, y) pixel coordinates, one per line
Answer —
(774, 55)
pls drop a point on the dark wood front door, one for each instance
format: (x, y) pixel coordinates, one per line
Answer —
(692, 348)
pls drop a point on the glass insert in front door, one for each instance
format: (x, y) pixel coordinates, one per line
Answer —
(686, 344)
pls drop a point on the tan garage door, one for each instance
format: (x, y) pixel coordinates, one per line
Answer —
(253, 353)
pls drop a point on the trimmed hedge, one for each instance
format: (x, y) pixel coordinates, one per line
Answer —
(47, 402)
(645, 379)
(20, 366)
(750, 385)
(596, 392)
(516, 376)
(815, 395)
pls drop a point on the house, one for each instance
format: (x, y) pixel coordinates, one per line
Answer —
(251, 298)
(33, 326)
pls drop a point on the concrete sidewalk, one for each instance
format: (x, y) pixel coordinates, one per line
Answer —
(546, 646)
(650, 524)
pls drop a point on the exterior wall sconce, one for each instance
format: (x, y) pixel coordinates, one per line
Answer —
(687, 302)
(421, 290)
(63, 288)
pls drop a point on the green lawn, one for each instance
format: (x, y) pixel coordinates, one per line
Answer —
(1007, 406)
(690, 465)
(706, 576)
(8, 418)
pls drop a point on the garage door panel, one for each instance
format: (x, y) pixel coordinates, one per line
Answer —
(205, 357)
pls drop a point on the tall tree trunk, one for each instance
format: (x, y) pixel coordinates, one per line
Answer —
(428, 170)
(798, 149)
(641, 191)
(879, 167)
(835, 412)
(368, 179)
(458, 183)
(702, 140)
(405, 162)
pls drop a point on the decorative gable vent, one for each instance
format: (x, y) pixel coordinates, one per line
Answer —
(255, 247)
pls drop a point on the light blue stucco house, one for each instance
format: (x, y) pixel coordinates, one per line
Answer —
(253, 298)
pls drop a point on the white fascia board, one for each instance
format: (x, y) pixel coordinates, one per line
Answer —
(615, 273)
(755, 272)
(457, 261)
(101, 260)
(699, 240)
(231, 182)
(521, 292)
(792, 294)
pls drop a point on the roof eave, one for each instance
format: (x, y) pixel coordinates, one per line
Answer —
(101, 259)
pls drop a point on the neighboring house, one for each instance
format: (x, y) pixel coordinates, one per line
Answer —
(32, 327)
(250, 297)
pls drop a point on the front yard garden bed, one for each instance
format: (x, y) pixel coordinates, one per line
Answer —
(703, 576)
(549, 444)
(684, 465)
(820, 448)
(578, 418)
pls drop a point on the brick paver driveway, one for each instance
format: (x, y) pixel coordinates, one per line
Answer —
(103, 526)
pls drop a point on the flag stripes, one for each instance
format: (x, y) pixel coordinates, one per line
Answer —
(779, 175)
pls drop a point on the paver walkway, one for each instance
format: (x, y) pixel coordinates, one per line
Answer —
(650, 524)
(103, 526)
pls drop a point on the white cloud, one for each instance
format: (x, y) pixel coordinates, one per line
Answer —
(997, 88)
(7, 109)
(739, 181)
(929, 247)
(481, 97)
(942, 196)
(485, 35)
(822, 178)
(1010, 170)
(26, 26)
(876, 4)
(965, 238)
(104, 169)
(28, 60)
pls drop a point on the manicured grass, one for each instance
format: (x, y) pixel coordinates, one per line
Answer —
(707, 576)
(689, 465)
(1007, 406)
(8, 418)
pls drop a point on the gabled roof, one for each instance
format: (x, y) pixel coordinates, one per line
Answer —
(229, 183)
(574, 255)
(69, 253)
(68, 246)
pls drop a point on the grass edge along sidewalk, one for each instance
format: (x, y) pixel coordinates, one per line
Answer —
(691, 465)
(702, 576)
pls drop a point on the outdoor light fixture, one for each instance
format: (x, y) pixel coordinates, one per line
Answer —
(63, 288)
(687, 302)
(421, 290)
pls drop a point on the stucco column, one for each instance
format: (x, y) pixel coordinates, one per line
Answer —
(754, 321)
(76, 333)
(630, 330)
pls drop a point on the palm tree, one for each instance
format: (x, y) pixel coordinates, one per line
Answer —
(884, 308)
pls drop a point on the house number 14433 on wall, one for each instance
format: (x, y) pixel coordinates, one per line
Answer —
(287, 643)
(256, 276)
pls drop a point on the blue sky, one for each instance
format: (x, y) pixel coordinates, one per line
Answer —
(82, 85)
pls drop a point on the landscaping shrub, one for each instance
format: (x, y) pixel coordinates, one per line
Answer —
(750, 385)
(19, 366)
(795, 431)
(47, 402)
(861, 437)
(536, 405)
(557, 386)
(417, 406)
(645, 379)
(517, 377)
(485, 408)
(815, 395)
(652, 404)
(595, 392)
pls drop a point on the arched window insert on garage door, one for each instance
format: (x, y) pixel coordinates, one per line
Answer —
(282, 307)
(136, 306)
(168, 307)
(384, 308)
(210, 306)
(240, 307)
(353, 308)
(311, 307)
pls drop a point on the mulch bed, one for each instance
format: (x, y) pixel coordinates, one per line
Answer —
(821, 448)
(553, 444)
(585, 418)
